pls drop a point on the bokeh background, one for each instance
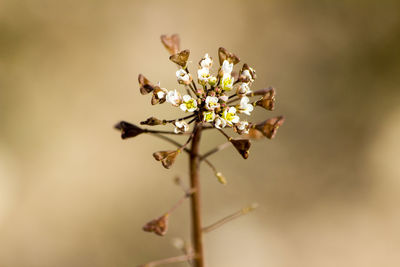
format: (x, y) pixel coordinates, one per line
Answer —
(72, 193)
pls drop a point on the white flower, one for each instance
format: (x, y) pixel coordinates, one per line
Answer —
(206, 62)
(244, 106)
(161, 94)
(242, 127)
(219, 122)
(224, 98)
(183, 77)
(174, 97)
(247, 75)
(243, 89)
(189, 104)
(230, 116)
(208, 116)
(212, 102)
(212, 80)
(226, 82)
(203, 75)
(181, 127)
(226, 67)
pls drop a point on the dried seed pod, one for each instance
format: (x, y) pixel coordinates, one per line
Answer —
(152, 121)
(159, 95)
(128, 130)
(171, 43)
(255, 134)
(223, 54)
(268, 100)
(145, 85)
(242, 146)
(181, 58)
(167, 158)
(158, 226)
(247, 74)
(269, 127)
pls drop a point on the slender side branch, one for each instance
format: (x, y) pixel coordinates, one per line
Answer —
(175, 259)
(229, 218)
(215, 150)
(180, 119)
(258, 92)
(162, 132)
(180, 201)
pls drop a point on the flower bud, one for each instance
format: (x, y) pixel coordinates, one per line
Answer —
(221, 178)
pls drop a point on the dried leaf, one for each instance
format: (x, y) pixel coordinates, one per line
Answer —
(171, 43)
(181, 58)
(269, 127)
(152, 121)
(145, 85)
(242, 146)
(268, 100)
(158, 226)
(128, 130)
(223, 54)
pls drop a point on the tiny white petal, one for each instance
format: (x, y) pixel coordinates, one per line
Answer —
(235, 119)
(183, 107)
(227, 67)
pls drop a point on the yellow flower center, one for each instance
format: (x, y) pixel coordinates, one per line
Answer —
(190, 104)
(209, 116)
(229, 116)
(226, 83)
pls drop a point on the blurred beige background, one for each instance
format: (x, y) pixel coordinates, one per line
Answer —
(72, 193)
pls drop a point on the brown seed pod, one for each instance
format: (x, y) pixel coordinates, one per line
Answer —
(152, 121)
(244, 78)
(128, 130)
(268, 100)
(145, 85)
(224, 54)
(167, 158)
(158, 226)
(171, 43)
(269, 127)
(181, 58)
(242, 146)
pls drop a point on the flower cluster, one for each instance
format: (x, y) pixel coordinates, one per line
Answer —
(208, 100)
(219, 99)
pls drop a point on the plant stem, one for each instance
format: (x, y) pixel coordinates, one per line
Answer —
(197, 229)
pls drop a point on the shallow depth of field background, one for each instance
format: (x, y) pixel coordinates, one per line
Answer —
(72, 193)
